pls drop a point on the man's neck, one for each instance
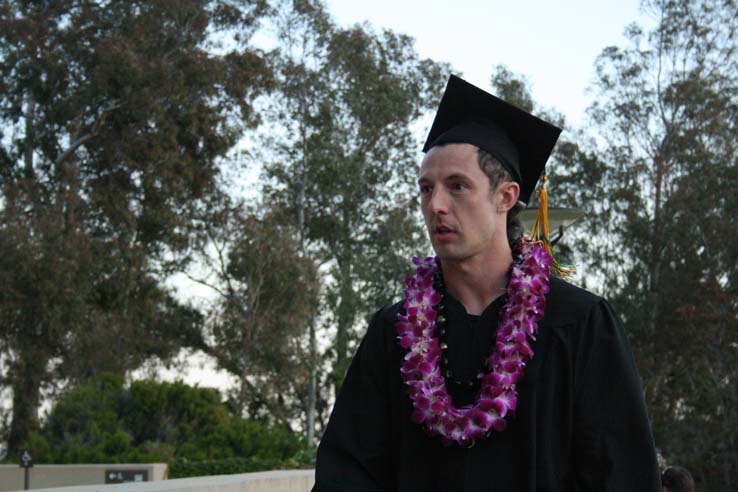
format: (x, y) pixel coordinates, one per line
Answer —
(479, 280)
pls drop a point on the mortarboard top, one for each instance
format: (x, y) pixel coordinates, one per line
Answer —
(519, 140)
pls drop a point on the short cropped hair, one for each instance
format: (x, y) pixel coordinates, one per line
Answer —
(497, 174)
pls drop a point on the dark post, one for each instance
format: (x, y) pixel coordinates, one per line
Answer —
(26, 462)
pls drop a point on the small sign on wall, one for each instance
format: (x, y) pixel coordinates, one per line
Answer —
(26, 459)
(126, 476)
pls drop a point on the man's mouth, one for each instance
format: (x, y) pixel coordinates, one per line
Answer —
(443, 230)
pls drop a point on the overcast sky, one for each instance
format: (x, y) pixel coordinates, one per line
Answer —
(553, 44)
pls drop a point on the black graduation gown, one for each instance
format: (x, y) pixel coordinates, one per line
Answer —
(580, 425)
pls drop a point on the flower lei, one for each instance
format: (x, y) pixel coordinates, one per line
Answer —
(497, 396)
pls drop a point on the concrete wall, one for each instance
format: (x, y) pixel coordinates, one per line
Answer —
(11, 476)
(271, 481)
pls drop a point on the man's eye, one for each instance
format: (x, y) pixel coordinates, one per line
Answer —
(458, 186)
(425, 189)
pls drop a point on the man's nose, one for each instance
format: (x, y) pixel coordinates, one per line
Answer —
(439, 201)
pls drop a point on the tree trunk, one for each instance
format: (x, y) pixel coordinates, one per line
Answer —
(30, 137)
(345, 316)
(26, 378)
(243, 395)
(312, 385)
(26, 374)
(656, 245)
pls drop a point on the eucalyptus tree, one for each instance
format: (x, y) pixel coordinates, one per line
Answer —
(344, 159)
(653, 171)
(667, 117)
(114, 117)
(265, 293)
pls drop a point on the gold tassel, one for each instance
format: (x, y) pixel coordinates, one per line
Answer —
(540, 228)
(540, 232)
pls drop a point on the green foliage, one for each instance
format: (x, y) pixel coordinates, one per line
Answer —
(267, 292)
(238, 438)
(102, 421)
(185, 468)
(87, 412)
(665, 223)
(343, 162)
(171, 413)
(512, 88)
(659, 238)
(181, 468)
(119, 113)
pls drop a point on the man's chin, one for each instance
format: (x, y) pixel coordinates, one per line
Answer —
(448, 254)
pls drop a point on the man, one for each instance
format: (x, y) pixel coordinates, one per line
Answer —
(677, 479)
(492, 374)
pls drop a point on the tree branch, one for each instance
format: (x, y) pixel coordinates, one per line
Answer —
(205, 283)
(72, 148)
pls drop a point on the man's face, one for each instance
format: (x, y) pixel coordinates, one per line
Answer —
(458, 206)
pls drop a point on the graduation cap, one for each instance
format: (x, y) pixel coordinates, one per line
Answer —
(520, 141)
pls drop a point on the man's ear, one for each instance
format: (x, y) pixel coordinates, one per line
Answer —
(507, 195)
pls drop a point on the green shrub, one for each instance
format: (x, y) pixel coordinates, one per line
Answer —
(238, 438)
(101, 421)
(171, 412)
(85, 413)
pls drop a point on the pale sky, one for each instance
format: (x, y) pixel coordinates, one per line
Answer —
(553, 44)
